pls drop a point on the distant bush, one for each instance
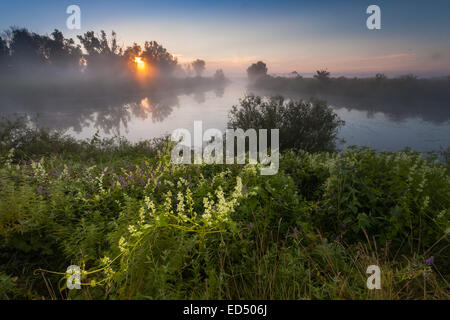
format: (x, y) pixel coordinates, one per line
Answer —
(310, 126)
(256, 71)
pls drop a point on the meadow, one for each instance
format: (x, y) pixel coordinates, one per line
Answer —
(141, 227)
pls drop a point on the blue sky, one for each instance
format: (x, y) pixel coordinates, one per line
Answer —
(287, 35)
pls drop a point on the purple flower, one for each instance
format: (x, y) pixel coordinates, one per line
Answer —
(245, 188)
(250, 225)
(215, 208)
(344, 225)
(40, 190)
(430, 261)
(296, 232)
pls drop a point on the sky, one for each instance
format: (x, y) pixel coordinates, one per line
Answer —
(302, 35)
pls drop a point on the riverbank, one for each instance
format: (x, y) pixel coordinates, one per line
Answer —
(139, 226)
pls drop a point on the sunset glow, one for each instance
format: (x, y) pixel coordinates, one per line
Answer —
(140, 63)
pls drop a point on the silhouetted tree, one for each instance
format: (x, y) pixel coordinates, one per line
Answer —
(408, 77)
(134, 51)
(4, 50)
(219, 75)
(131, 53)
(322, 75)
(4, 54)
(199, 67)
(61, 52)
(380, 77)
(27, 50)
(296, 75)
(103, 56)
(256, 71)
(159, 57)
(90, 43)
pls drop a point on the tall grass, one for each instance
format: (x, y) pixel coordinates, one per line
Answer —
(141, 227)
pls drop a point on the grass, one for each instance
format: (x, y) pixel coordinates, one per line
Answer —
(141, 227)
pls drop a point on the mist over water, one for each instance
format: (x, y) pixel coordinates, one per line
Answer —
(139, 114)
(142, 92)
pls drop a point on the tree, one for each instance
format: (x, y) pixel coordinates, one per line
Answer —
(307, 125)
(199, 67)
(131, 52)
(90, 43)
(62, 52)
(27, 49)
(380, 77)
(257, 70)
(4, 55)
(322, 75)
(296, 75)
(104, 56)
(159, 57)
(219, 75)
(4, 50)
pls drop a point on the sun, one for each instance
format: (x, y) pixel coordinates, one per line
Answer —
(140, 63)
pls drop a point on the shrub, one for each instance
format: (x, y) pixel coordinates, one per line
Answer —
(310, 126)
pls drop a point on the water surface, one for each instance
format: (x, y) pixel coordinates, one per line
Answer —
(148, 115)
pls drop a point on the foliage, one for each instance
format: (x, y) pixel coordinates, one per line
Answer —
(397, 97)
(257, 71)
(31, 54)
(322, 75)
(310, 126)
(199, 67)
(141, 227)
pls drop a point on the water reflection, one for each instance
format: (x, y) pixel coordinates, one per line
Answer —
(145, 113)
(106, 110)
(395, 108)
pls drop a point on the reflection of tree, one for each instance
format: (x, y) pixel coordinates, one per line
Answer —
(110, 118)
(157, 106)
(219, 91)
(398, 99)
(63, 107)
(101, 85)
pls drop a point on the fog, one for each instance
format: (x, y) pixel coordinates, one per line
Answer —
(66, 84)
(71, 80)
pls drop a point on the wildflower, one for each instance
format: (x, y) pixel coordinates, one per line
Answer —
(207, 217)
(250, 225)
(123, 245)
(132, 229)
(430, 261)
(40, 190)
(150, 206)
(296, 232)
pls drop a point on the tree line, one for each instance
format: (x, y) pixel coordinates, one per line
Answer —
(25, 53)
